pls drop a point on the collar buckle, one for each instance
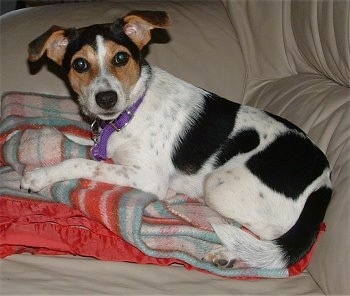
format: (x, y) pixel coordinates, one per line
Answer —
(95, 131)
(127, 116)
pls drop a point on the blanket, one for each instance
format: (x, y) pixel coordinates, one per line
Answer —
(104, 221)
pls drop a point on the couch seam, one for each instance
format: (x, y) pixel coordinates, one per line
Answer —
(246, 70)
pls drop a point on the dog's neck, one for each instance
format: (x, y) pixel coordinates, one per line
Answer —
(101, 131)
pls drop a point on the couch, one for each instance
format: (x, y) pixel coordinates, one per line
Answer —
(291, 58)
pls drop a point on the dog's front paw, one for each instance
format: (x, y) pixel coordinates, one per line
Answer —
(223, 258)
(36, 180)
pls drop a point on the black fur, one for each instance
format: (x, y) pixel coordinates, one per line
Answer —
(242, 142)
(293, 170)
(87, 36)
(297, 242)
(207, 135)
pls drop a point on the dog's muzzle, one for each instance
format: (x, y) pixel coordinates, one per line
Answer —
(106, 99)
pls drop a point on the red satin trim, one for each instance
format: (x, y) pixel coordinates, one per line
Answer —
(299, 267)
(47, 228)
(40, 227)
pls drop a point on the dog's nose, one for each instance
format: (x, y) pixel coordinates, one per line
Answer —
(106, 99)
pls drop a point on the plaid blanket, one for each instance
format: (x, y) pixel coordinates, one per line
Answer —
(41, 130)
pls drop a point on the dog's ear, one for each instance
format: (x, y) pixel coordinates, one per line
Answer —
(138, 25)
(54, 42)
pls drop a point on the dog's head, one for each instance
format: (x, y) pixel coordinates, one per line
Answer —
(103, 62)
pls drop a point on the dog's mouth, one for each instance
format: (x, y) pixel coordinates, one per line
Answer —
(96, 112)
(107, 116)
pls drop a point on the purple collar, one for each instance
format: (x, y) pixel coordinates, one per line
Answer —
(99, 149)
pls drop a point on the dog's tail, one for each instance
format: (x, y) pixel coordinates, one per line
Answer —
(286, 250)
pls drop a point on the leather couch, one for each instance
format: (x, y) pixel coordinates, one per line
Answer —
(291, 58)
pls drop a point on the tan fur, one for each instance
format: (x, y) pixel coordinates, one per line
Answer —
(127, 75)
(138, 26)
(80, 81)
(53, 42)
(140, 23)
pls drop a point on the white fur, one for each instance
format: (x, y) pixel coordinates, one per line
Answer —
(101, 54)
(254, 252)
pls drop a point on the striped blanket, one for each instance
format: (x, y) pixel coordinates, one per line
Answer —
(41, 130)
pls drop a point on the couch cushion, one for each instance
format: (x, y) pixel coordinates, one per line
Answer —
(322, 32)
(60, 275)
(266, 37)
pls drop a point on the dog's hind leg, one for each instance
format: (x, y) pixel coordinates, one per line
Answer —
(287, 227)
(237, 194)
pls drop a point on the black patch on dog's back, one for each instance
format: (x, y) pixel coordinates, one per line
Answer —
(206, 135)
(243, 142)
(288, 164)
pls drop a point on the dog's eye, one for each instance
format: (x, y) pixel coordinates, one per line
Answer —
(121, 58)
(81, 65)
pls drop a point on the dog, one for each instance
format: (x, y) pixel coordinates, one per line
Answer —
(161, 132)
